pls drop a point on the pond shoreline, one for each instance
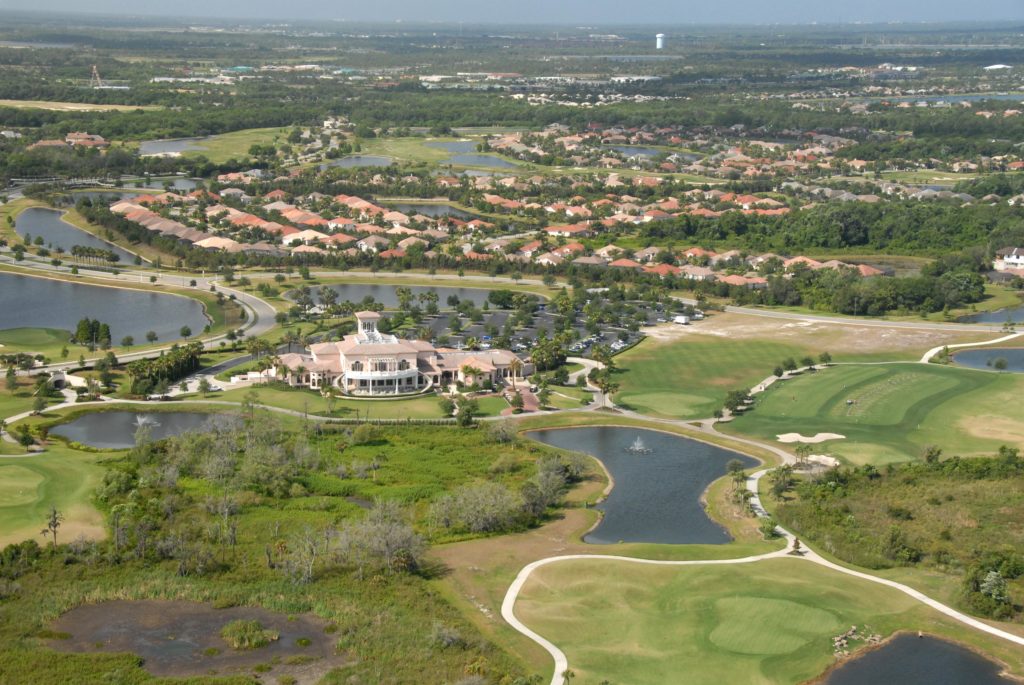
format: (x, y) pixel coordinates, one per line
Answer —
(822, 679)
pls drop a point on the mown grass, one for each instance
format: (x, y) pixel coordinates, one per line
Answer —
(308, 401)
(768, 622)
(890, 413)
(60, 477)
(235, 145)
(690, 379)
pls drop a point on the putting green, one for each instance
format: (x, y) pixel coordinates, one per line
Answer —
(60, 477)
(23, 339)
(18, 485)
(763, 625)
(760, 623)
(890, 413)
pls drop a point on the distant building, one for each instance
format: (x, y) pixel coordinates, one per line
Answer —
(659, 41)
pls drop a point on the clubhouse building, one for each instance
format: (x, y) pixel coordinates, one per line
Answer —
(371, 363)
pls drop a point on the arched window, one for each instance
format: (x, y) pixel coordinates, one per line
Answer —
(357, 366)
(403, 365)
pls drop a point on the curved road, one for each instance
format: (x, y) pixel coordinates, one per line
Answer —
(562, 661)
(260, 314)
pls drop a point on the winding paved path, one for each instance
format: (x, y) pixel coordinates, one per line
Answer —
(927, 357)
(562, 661)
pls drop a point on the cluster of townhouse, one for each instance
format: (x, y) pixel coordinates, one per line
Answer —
(270, 224)
(732, 267)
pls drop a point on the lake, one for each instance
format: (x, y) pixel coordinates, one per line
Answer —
(656, 497)
(464, 152)
(429, 209)
(116, 429)
(455, 147)
(1015, 314)
(481, 160)
(358, 161)
(385, 294)
(27, 302)
(633, 150)
(178, 183)
(911, 660)
(983, 358)
(55, 232)
(171, 146)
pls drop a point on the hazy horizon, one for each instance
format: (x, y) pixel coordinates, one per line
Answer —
(575, 12)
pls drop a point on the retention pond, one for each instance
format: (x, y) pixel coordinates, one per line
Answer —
(659, 479)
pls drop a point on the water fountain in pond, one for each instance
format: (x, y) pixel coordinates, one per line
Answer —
(638, 447)
(145, 421)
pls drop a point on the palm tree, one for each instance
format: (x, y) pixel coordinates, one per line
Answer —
(53, 521)
(516, 367)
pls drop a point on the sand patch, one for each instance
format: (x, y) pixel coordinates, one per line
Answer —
(867, 337)
(1002, 428)
(814, 439)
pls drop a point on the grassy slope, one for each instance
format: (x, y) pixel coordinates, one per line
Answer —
(769, 622)
(30, 485)
(236, 144)
(897, 410)
(691, 379)
(306, 400)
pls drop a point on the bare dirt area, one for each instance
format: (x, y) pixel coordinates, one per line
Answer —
(180, 639)
(851, 338)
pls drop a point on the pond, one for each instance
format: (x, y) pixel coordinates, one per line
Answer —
(116, 429)
(430, 209)
(27, 302)
(985, 358)
(181, 639)
(911, 660)
(656, 497)
(55, 232)
(634, 150)
(385, 294)
(171, 146)
(358, 161)
(455, 146)
(177, 183)
(482, 161)
(1015, 314)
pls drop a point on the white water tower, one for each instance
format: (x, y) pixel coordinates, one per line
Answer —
(659, 41)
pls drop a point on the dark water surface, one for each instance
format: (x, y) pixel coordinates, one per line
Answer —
(27, 302)
(1015, 314)
(47, 223)
(910, 660)
(358, 161)
(116, 429)
(431, 209)
(984, 358)
(656, 497)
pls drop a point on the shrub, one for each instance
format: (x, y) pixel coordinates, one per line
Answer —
(247, 635)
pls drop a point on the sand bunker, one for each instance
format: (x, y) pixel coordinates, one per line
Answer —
(819, 437)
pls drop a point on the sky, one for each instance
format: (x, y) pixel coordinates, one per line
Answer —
(574, 12)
